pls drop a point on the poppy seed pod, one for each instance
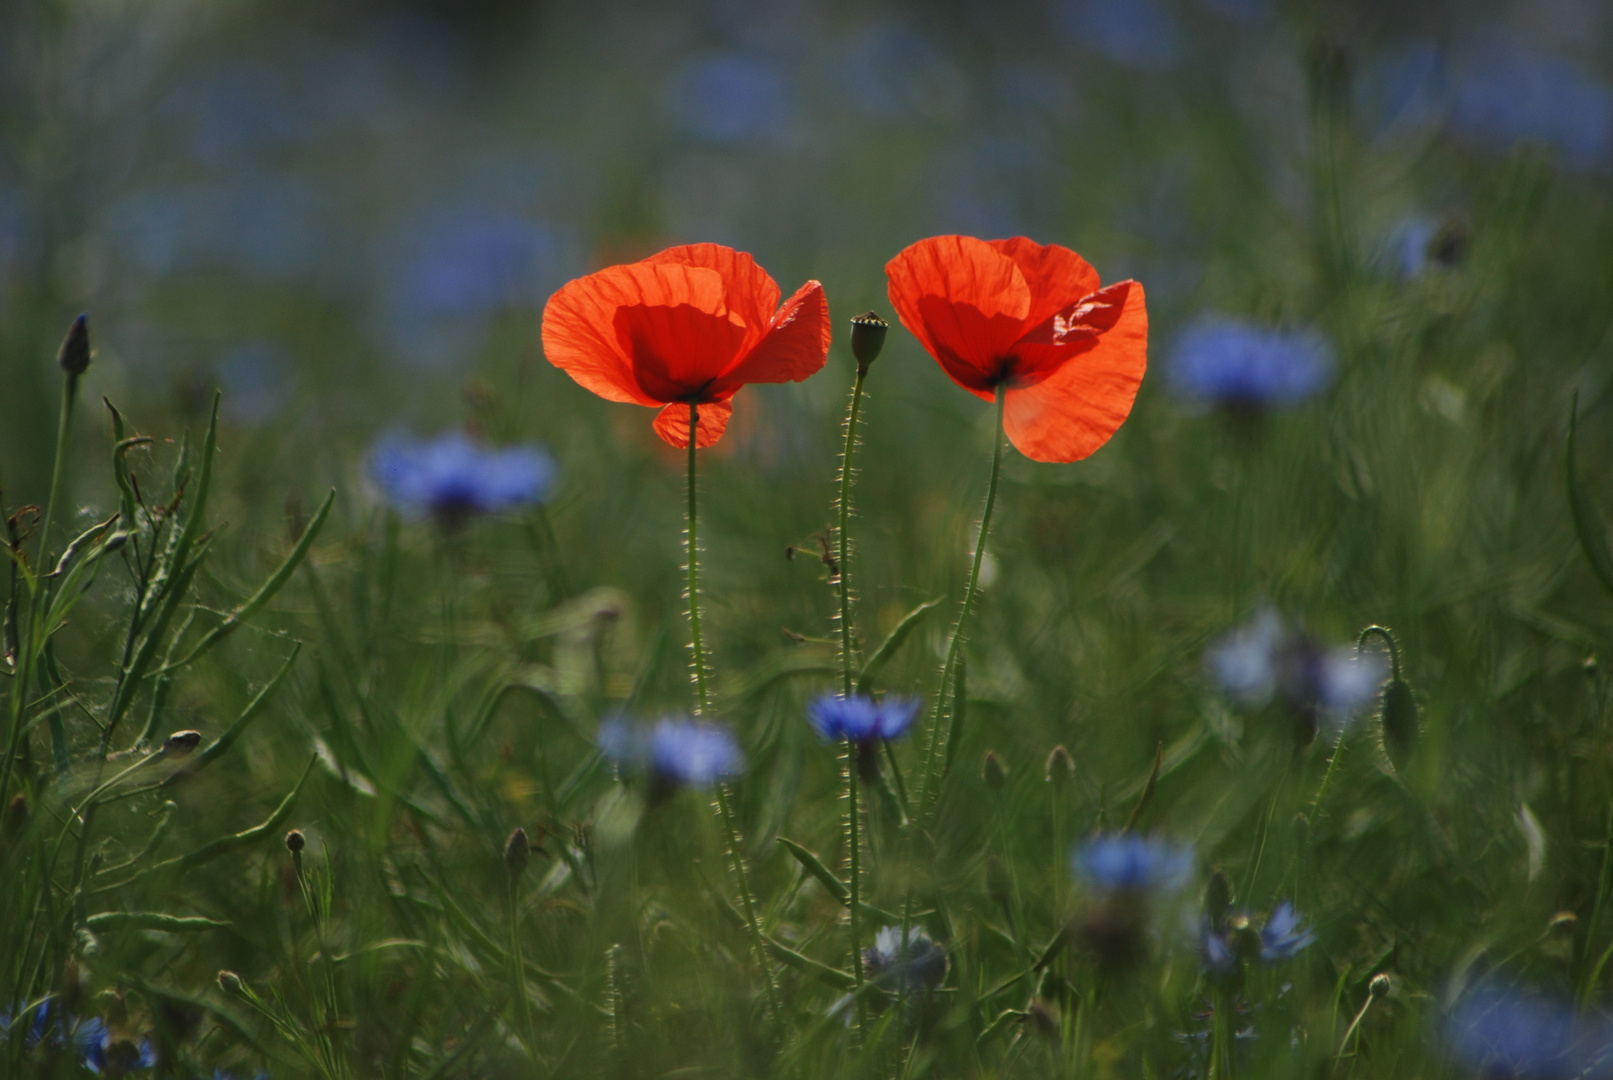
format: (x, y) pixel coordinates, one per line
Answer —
(1060, 767)
(867, 339)
(74, 355)
(182, 743)
(517, 850)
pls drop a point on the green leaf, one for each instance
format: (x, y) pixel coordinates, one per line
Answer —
(1588, 521)
(151, 920)
(814, 866)
(834, 977)
(265, 592)
(887, 649)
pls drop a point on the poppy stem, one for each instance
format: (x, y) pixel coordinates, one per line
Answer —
(843, 538)
(936, 746)
(725, 809)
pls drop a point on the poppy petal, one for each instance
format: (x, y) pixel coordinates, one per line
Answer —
(579, 336)
(965, 301)
(678, 350)
(795, 346)
(1074, 410)
(1047, 347)
(750, 290)
(1056, 275)
(672, 423)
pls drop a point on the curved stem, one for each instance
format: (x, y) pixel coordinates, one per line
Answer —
(843, 542)
(956, 643)
(1389, 639)
(697, 657)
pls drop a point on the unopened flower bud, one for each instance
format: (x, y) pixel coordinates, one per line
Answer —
(296, 841)
(1399, 720)
(993, 771)
(517, 850)
(1380, 985)
(182, 743)
(229, 981)
(74, 355)
(867, 338)
(1060, 767)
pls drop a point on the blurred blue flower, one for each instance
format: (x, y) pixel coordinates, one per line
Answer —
(1140, 34)
(1128, 863)
(860, 719)
(916, 966)
(1508, 95)
(1500, 1032)
(36, 1028)
(264, 226)
(1283, 936)
(1237, 364)
(1217, 952)
(462, 260)
(451, 477)
(103, 1053)
(1408, 245)
(675, 753)
(892, 72)
(1264, 659)
(732, 99)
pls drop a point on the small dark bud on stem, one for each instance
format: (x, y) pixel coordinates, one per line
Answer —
(74, 355)
(1380, 985)
(517, 850)
(867, 338)
(296, 841)
(182, 743)
(16, 815)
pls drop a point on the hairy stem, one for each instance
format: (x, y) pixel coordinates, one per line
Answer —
(843, 541)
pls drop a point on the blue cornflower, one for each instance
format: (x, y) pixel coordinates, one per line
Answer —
(919, 966)
(1236, 364)
(1264, 659)
(861, 719)
(36, 1028)
(1501, 1032)
(100, 1051)
(1509, 94)
(1284, 935)
(1127, 863)
(674, 752)
(451, 477)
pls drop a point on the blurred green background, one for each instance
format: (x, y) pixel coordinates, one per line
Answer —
(348, 217)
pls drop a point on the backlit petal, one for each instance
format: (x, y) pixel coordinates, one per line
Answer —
(795, 346)
(672, 423)
(579, 334)
(678, 350)
(751, 291)
(1072, 412)
(965, 301)
(1056, 275)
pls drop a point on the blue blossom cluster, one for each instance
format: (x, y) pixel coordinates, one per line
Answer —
(861, 719)
(1497, 1031)
(1266, 660)
(673, 752)
(1238, 365)
(89, 1038)
(451, 478)
(1283, 936)
(913, 966)
(1126, 863)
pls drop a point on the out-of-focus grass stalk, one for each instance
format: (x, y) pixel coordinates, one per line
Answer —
(69, 397)
(697, 658)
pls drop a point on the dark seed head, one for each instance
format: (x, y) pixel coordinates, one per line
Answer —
(1380, 985)
(867, 339)
(296, 841)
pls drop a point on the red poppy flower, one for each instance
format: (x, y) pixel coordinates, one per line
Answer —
(692, 324)
(1030, 321)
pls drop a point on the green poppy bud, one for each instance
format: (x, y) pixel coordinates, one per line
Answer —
(1399, 720)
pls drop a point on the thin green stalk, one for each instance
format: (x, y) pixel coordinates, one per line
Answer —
(956, 643)
(843, 541)
(1316, 805)
(854, 839)
(69, 395)
(697, 657)
(523, 1007)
